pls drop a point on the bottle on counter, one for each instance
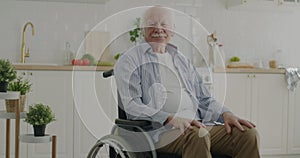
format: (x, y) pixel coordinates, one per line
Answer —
(68, 54)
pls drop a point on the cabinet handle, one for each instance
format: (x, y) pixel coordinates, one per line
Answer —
(30, 73)
(248, 76)
(23, 73)
(254, 76)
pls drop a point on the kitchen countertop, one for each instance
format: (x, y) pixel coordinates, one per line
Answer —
(105, 68)
(62, 67)
(249, 70)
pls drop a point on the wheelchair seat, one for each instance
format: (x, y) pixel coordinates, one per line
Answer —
(134, 125)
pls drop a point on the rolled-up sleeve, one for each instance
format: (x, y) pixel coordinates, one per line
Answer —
(210, 109)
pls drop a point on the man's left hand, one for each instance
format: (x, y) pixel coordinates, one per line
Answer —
(230, 120)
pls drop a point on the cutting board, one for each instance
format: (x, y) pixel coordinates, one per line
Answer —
(239, 65)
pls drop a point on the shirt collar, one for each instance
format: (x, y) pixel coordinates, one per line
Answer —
(146, 48)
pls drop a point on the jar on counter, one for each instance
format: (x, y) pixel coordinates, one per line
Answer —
(273, 64)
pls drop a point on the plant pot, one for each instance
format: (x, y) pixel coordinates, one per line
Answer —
(39, 130)
(11, 104)
(3, 86)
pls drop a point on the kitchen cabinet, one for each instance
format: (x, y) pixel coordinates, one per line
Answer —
(234, 90)
(294, 125)
(54, 89)
(269, 111)
(289, 2)
(75, 1)
(263, 5)
(261, 98)
(95, 109)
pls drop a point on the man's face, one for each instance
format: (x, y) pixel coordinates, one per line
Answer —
(158, 26)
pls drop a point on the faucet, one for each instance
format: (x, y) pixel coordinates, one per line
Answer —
(25, 53)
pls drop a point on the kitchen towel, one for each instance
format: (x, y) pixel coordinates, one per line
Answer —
(292, 76)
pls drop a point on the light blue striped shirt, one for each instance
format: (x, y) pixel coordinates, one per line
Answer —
(139, 85)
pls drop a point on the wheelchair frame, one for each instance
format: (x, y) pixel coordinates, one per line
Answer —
(118, 143)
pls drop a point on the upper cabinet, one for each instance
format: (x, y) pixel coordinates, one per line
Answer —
(262, 4)
(73, 1)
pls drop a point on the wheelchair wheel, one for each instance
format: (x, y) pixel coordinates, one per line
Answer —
(111, 146)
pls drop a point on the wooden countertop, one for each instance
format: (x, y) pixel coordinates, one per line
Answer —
(62, 68)
(249, 70)
(105, 68)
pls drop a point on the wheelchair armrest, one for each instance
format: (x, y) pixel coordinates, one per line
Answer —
(142, 124)
(139, 123)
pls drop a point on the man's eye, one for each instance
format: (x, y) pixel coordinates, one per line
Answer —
(151, 24)
(165, 25)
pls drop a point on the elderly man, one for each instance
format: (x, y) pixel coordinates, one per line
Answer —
(157, 83)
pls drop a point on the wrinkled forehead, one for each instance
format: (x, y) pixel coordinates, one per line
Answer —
(158, 15)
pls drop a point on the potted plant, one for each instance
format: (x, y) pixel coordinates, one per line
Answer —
(7, 74)
(39, 115)
(21, 85)
(136, 33)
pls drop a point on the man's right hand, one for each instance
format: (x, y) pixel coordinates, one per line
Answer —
(183, 123)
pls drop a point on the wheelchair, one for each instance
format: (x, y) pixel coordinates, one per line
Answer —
(130, 138)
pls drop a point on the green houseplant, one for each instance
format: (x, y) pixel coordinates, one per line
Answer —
(7, 74)
(39, 115)
(21, 85)
(135, 34)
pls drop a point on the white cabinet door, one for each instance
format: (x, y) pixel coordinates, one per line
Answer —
(269, 111)
(95, 109)
(234, 91)
(294, 125)
(54, 89)
(261, 98)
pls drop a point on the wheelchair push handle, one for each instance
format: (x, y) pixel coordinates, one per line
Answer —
(108, 73)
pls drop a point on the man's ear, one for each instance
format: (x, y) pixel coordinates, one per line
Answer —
(172, 34)
(173, 30)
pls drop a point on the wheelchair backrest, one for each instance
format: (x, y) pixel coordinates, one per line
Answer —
(121, 113)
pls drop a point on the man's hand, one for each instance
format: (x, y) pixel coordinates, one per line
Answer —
(230, 120)
(183, 123)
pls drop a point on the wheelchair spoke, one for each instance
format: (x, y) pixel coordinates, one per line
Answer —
(105, 152)
(111, 147)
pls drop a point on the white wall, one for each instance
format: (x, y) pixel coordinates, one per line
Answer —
(255, 33)
(248, 34)
(54, 24)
